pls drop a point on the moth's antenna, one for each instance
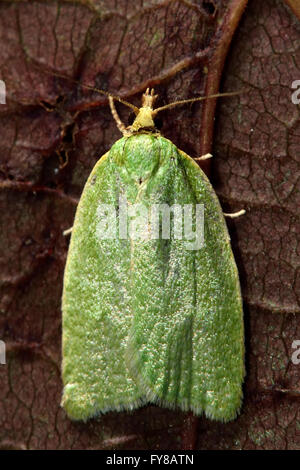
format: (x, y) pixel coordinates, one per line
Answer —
(192, 100)
(89, 87)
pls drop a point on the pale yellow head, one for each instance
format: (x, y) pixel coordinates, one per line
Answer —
(144, 118)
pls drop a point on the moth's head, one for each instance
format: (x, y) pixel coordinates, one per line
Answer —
(145, 114)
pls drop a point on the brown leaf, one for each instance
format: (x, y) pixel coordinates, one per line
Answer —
(53, 132)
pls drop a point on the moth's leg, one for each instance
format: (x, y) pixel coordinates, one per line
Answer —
(233, 215)
(204, 157)
(67, 232)
(120, 125)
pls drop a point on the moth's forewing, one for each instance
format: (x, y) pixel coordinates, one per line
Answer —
(96, 305)
(187, 341)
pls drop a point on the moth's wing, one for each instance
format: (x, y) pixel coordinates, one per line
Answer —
(219, 314)
(96, 312)
(186, 344)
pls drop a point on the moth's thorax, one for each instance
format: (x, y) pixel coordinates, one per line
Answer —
(144, 120)
(141, 156)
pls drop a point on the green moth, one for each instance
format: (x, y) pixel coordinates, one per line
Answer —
(152, 318)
